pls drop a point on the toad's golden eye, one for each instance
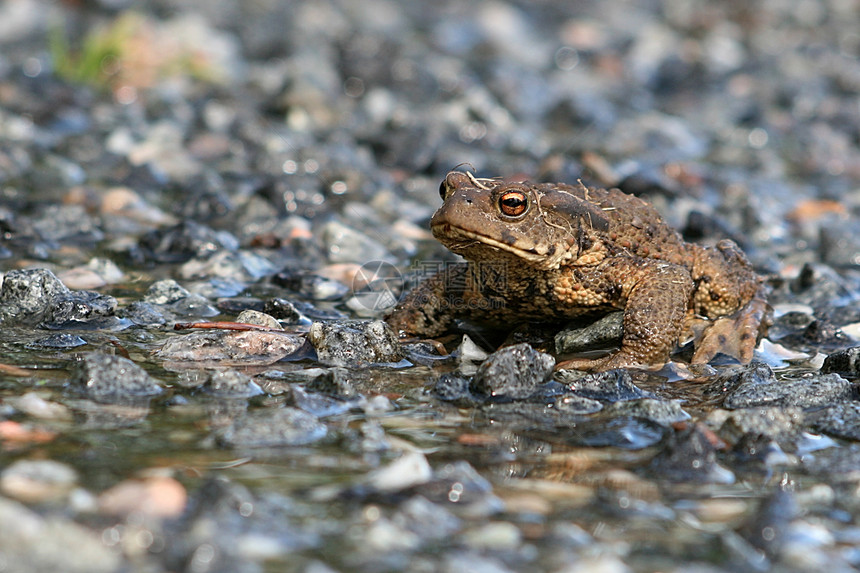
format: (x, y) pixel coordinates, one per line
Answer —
(513, 203)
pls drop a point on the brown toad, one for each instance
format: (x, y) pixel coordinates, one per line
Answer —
(552, 252)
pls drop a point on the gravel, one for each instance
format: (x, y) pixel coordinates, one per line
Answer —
(203, 162)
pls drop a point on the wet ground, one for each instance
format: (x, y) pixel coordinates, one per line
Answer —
(276, 163)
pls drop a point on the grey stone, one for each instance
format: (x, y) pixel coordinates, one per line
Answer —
(610, 386)
(107, 378)
(272, 428)
(513, 372)
(354, 343)
(26, 296)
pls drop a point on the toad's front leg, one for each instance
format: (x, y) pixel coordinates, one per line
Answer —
(655, 296)
(429, 309)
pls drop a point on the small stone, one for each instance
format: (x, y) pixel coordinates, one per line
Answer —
(497, 536)
(346, 245)
(571, 404)
(96, 273)
(513, 372)
(354, 343)
(427, 519)
(165, 292)
(158, 497)
(452, 388)
(663, 412)
(469, 356)
(807, 392)
(31, 542)
(780, 424)
(34, 405)
(840, 420)
(610, 386)
(143, 314)
(273, 428)
(37, 481)
(26, 296)
(231, 384)
(185, 241)
(284, 311)
(843, 362)
(258, 318)
(79, 306)
(230, 348)
(767, 528)
(334, 381)
(67, 223)
(600, 334)
(408, 470)
(311, 285)
(317, 404)
(107, 378)
(690, 455)
(240, 265)
(192, 306)
(460, 485)
(60, 341)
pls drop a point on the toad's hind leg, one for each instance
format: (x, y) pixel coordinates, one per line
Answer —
(654, 312)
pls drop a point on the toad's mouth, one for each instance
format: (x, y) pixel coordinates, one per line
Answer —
(458, 240)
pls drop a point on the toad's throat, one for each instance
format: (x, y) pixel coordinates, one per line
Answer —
(457, 239)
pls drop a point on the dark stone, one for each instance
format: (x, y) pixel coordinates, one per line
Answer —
(272, 428)
(185, 241)
(143, 314)
(600, 334)
(225, 504)
(840, 420)
(79, 306)
(610, 386)
(755, 448)
(752, 374)
(284, 310)
(690, 455)
(789, 323)
(452, 388)
(843, 362)
(67, 223)
(471, 487)
(624, 432)
(768, 527)
(26, 296)
(513, 372)
(809, 392)
(310, 285)
(317, 404)
(662, 412)
(779, 424)
(193, 306)
(334, 381)
(818, 333)
(107, 378)
(58, 341)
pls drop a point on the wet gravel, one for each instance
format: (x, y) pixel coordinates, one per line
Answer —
(274, 165)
